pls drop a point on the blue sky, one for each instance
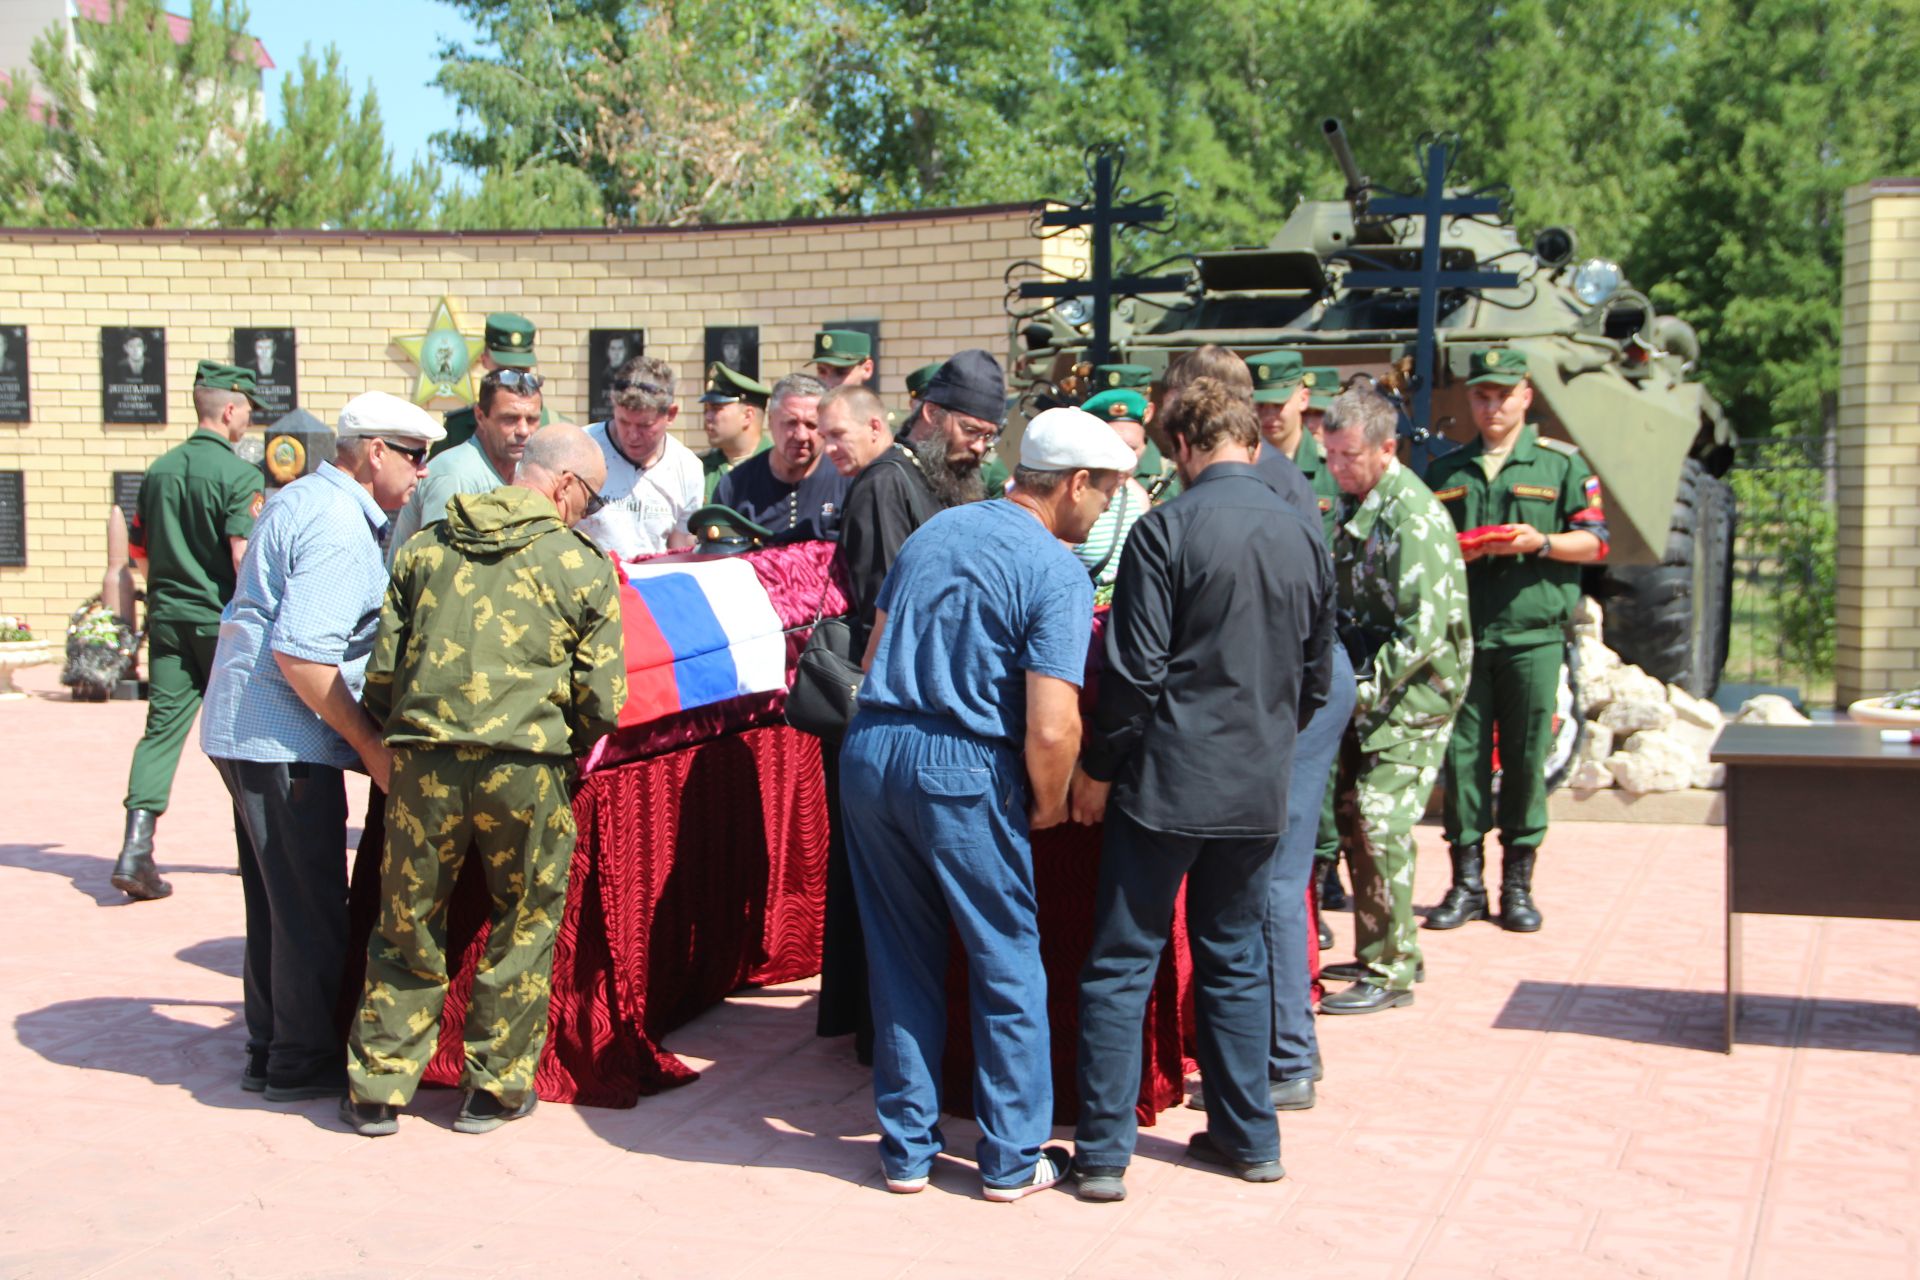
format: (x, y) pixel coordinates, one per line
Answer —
(391, 44)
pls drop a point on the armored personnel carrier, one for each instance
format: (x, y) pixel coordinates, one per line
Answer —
(1612, 376)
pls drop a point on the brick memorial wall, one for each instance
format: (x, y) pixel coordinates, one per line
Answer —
(1879, 443)
(932, 282)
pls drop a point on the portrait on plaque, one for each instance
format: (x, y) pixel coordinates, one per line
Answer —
(607, 350)
(269, 353)
(737, 347)
(13, 374)
(872, 329)
(133, 374)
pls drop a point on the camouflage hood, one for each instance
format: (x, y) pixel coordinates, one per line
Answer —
(506, 519)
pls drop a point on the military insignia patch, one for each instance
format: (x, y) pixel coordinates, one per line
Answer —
(1493, 359)
(1592, 489)
(826, 342)
(1326, 504)
(1309, 379)
(1449, 495)
(259, 501)
(1116, 410)
(1541, 491)
(1113, 379)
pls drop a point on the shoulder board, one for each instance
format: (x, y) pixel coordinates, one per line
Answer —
(1558, 446)
(1449, 495)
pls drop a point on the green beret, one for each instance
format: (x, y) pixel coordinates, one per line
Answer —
(917, 380)
(1323, 382)
(510, 340)
(1276, 375)
(726, 386)
(227, 377)
(1122, 404)
(1500, 365)
(722, 531)
(1108, 376)
(842, 348)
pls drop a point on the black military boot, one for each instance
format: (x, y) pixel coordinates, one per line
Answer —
(134, 873)
(1467, 899)
(1333, 895)
(1517, 911)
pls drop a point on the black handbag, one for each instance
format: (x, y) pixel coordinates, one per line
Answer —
(826, 679)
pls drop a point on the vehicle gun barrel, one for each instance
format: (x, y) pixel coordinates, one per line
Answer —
(1336, 135)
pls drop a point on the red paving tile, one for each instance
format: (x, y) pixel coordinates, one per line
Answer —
(1552, 1105)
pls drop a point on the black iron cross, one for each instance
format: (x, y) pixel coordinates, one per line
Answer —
(1435, 206)
(1100, 288)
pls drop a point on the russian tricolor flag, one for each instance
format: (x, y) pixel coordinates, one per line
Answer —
(697, 632)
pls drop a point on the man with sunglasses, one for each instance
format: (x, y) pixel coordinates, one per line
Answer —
(498, 662)
(509, 345)
(282, 721)
(509, 412)
(653, 481)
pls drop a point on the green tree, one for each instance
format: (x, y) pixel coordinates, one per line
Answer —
(326, 163)
(137, 130)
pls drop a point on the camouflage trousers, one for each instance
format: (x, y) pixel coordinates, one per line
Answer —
(1382, 794)
(513, 813)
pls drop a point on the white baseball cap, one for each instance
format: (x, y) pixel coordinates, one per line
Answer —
(381, 413)
(1067, 439)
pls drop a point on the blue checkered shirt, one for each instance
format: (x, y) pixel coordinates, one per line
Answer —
(310, 587)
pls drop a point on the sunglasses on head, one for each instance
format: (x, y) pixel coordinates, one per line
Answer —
(517, 380)
(630, 384)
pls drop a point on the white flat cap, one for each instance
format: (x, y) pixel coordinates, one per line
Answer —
(1067, 439)
(380, 413)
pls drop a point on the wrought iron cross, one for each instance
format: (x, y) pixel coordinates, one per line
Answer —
(1100, 217)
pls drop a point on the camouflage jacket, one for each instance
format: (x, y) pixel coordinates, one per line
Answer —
(501, 629)
(1403, 585)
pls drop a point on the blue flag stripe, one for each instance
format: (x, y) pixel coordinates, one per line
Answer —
(703, 662)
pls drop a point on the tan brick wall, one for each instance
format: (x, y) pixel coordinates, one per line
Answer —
(1879, 442)
(933, 282)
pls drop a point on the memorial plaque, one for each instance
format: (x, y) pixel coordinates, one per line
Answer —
(13, 519)
(607, 350)
(133, 374)
(126, 493)
(270, 354)
(872, 329)
(737, 347)
(13, 374)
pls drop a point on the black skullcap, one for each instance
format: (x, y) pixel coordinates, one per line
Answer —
(971, 383)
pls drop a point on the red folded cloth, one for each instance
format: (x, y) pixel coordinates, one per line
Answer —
(1485, 535)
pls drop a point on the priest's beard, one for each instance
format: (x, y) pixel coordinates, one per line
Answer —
(953, 483)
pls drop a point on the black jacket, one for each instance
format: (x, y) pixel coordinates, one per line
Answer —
(1217, 651)
(888, 501)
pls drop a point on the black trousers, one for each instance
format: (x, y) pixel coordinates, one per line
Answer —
(293, 871)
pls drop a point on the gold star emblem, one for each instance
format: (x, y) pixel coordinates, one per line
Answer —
(1116, 409)
(826, 342)
(443, 357)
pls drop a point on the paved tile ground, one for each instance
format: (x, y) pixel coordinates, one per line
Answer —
(1551, 1106)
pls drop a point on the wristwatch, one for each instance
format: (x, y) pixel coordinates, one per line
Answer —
(1545, 549)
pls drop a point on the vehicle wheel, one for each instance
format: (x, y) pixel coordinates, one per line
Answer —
(1672, 619)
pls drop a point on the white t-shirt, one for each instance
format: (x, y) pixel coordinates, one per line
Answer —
(643, 507)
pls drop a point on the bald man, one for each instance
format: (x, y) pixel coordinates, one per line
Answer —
(498, 663)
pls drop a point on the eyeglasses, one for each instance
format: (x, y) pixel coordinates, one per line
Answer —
(519, 381)
(977, 428)
(595, 503)
(413, 454)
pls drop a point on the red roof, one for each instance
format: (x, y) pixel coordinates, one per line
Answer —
(178, 27)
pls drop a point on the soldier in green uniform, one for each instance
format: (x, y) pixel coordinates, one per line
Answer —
(509, 345)
(1403, 602)
(734, 410)
(842, 355)
(1522, 590)
(498, 662)
(1323, 382)
(1155, 472)
(196, 512)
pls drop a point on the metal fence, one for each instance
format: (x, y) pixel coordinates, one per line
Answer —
(1783, 566)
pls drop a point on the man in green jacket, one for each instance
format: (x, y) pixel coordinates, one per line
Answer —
(498, 662)
(1403, 602)
(196, 512)
(1522, 589)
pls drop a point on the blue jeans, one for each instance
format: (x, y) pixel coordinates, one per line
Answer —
(936, 823)
(1314, 752)
(1140, 873)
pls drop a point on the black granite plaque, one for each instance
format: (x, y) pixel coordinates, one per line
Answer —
(133, 374)
(872, 329)
(735, 346)
(269, 353)
(13, 519)
(14, 406)
(126, 493)
(607, 350)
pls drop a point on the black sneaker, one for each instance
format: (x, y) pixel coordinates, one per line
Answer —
(253, 1076)
(369, 1119)
(1102, 1183)
(482, 1112)
(331, 1085)
(1201, 1147)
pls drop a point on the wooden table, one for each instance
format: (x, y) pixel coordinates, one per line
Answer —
(1822, 820)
